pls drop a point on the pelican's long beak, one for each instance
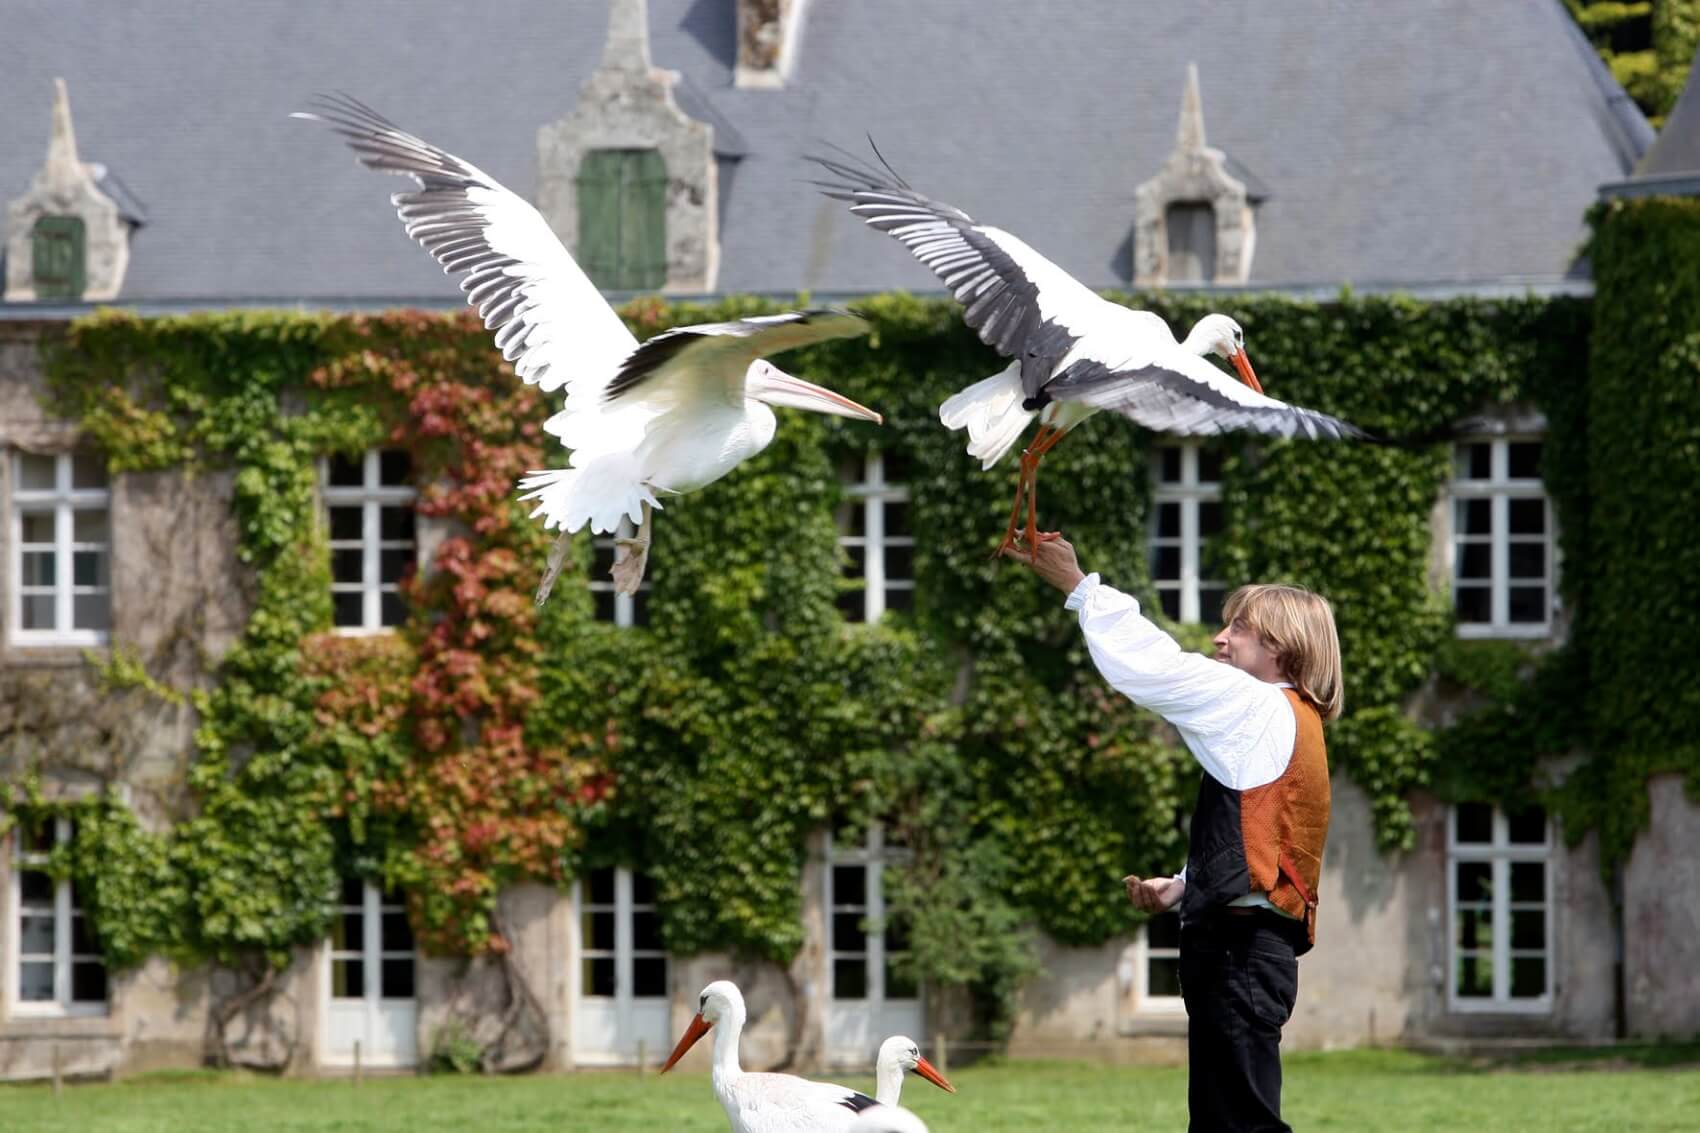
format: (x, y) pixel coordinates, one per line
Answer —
(776, 387)
(926, 1070)
(1247, 375)
(698, 1028)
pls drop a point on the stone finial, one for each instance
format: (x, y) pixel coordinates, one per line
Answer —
(1193, 173)
(627, 47)
(66, 187)
(766, 31)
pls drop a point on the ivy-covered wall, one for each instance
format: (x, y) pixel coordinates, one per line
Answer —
(491, 742)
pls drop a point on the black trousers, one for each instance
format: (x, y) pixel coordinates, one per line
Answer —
(1239, 978)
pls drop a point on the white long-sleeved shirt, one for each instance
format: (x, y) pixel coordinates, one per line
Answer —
(1240, 729)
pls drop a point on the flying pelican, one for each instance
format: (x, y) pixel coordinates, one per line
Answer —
(1073, 352)
(669, 416)
(897, 1055)
(770, 1103)
(887, 1119)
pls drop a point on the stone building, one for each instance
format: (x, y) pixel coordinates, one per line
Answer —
(1440, 149)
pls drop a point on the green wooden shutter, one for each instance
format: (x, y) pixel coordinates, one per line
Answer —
(57, 257)
(622, 219)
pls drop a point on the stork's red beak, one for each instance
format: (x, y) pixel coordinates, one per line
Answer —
(925, 1070)
(698, 1028)
(1247, 375)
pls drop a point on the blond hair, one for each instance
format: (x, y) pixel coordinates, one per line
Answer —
(1297, 626)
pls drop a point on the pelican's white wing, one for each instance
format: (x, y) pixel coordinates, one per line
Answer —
(1020, 303)
(1174, 391)
(548, 318)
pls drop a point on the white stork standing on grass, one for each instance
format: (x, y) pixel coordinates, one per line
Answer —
(1073, 353)
(781, 1103)
(669, 416)
(898, 1055)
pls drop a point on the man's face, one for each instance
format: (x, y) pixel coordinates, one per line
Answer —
(1238, 645)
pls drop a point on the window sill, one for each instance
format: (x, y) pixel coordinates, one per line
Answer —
(68, 1023)
(1480, 632)
(1509, 1008)
(1154, 1024)
(49, 654)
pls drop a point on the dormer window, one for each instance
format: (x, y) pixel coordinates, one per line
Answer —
(58, 257)
(622, 219)
(1192, 242)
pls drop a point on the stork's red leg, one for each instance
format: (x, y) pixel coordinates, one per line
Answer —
(1034, 535)
(1029, 464)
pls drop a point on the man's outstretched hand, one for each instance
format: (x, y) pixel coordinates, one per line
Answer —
(1055, 562)
(1154, 895)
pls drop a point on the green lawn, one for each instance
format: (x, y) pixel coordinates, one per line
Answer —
(1654, 1088)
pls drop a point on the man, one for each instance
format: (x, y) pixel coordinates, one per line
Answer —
(1253, 718)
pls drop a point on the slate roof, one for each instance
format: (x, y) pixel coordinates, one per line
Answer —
(1404, 142)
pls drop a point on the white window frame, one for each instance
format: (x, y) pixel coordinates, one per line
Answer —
(1500, 854)
(625, 952)
(1189, 492)
(625, 605)
(871, 494)
(371, 498)
(61, 1005)
(371, 952)
(1144, 1003)
(65, 502)
(1500, 489)
(874, 856)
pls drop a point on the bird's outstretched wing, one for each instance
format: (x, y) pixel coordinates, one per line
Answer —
(548, 318)
(1184, 394)
(710, 359)
(1020, 303)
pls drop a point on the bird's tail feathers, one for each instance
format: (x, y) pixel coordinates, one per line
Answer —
(601, 493)
(991, 412)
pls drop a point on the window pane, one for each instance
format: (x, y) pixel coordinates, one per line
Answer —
(38, 568)
(1209, 518)
(643, 889)
(1169, 464)
(345, 523)
(1475, 881)
(601, 886)
(902, 600)
(90, 611)
(35, 936)
(88, 982)
(1475, 560)
(849, 885)
(88, 568)
(1474, 517)
(1528, 604)
(392, 608)
(899, 562)
(599, 931)
(1528, 881)
(35, 472)
(88, 470)
(1529, 827)
(347, 565)
(348, 932)
(1475, 928)
(349, 608)
(395, 468)
(83, 942)
(1209, 465)
(853, 518)
(640, 604)
(646, 932)
(1163, 976)
(395, 934)
(1528, 517)
(1210, 600)
(353, 891)
(602, 605)
(857, 567)
(1524, 460)
(347, 471)
(1474, 461)
(1192, 242)
(1474, 604)
(1528, 977)
(1528, 560)
(598, 976)
(35, 981)
(896, 467)
(35, 887)
(1170, 600)
(397, 978)
(1475, 976)
(1169, 519)
(601, 560)
(897, 517)
(396, 522)
(649, 977)
(348, 979)
(1163, 931)
(88, 525)
(1166, 562)
(1529, 928)
(1475, 823)
(847, 934)
(38, 527)
(850, 978)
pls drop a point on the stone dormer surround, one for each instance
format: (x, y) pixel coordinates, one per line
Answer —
(1194, 173)
(767, 40)
(628, 103)
(65, 186)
